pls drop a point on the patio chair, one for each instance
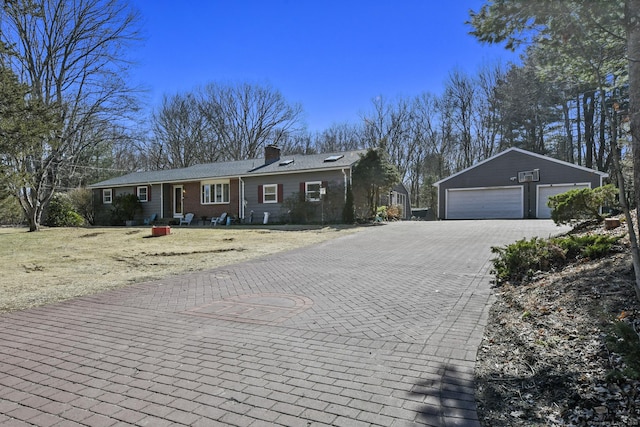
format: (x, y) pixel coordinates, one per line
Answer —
(187, 219)
(219, 220)
(151, 219)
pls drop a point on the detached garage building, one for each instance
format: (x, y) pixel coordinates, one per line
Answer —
(513, 184)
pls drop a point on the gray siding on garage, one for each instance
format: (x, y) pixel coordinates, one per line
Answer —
(502, 170)
(291, 185)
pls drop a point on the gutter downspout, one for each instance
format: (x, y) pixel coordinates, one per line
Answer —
(162, 200)
(345, 183)
(241, 198)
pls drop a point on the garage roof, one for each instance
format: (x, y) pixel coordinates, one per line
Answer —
(519, 150)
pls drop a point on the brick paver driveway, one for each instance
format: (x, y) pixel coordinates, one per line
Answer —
(376, 328)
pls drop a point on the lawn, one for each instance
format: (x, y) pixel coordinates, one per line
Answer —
(57, 264)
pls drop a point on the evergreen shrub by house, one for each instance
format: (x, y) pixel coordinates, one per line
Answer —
(125, 208)
(348, 211)
(60, 212)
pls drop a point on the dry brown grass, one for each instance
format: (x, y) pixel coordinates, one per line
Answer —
(57, 264)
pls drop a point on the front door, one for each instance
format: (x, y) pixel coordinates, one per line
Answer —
(177, 201)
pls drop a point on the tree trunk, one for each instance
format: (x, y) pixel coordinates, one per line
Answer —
(633, 53)
(31, 209)
(579, 130)
(602, 160)
(566, 143)
(588, 108)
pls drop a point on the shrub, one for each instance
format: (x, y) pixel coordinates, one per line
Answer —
(624, 340)
(298, 210)
(587, 246)
(519, 261)
(82, 201)
(348, 212)
(393, 212)
(330, 209)
(581, 204)
(10, 211)
(60, 212)
(125, 207)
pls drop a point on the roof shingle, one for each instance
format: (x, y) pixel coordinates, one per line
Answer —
(240, 168)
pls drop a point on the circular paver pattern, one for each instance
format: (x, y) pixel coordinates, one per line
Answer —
(262, 309)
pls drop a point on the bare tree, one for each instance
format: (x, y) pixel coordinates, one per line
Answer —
(486, 115)
(427, 149)
(297, 143)
(245, 117)
(460, 92)
(72, 56)
(181, 134)
(340, 137)
(389, 126)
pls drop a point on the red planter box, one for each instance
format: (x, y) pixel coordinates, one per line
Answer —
(162, 230)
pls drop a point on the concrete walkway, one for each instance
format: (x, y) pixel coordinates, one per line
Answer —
(376, 328)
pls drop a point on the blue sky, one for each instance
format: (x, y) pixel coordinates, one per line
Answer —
(333, 57)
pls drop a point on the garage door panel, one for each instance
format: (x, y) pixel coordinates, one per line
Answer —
(546, 191)
(485, 203)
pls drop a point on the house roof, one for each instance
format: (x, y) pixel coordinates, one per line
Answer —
(529, 153)
(242, 168)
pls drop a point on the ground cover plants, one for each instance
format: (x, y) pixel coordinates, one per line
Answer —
(562, 345)
(56, 264)
(521, 260)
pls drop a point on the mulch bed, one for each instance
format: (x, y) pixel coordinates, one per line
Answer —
(545, 356)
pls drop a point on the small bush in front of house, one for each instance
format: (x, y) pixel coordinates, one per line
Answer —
(519, 261)
(297, 210)
(60, 213)
(393, 213)
(348, 211)
(82, 201)
(581, 204)
(125, 208)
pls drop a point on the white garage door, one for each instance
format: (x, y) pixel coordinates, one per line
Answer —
(485, 203)
(546, 191)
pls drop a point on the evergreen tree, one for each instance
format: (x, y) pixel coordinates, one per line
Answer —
(348, 213)
(24, 123)
(373, 175)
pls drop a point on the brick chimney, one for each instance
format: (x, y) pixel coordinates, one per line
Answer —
(271, 154)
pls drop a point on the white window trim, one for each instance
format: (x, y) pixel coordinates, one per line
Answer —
(107, 200)
(275, 193)
(306, 191)
(146, 193)
(212, 192)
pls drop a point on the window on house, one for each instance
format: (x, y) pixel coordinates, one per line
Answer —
(215, 193)
(142, 193)
(107, 196)
(270, 193)
(312, 191)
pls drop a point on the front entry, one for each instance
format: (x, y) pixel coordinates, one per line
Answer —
(178, 199)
